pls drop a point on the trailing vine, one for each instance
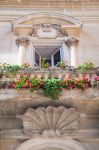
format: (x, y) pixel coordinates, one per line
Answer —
(52, 88)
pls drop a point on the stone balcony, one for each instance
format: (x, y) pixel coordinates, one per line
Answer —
(15, 102)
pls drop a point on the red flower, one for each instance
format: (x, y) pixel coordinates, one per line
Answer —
(41, 84)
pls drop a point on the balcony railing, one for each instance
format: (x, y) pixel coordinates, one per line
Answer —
(51, 81)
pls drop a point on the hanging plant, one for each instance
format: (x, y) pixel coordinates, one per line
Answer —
(52, 88)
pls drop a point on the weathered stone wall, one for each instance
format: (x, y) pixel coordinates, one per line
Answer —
(13, 104)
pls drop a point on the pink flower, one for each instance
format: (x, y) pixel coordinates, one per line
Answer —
(97, 78)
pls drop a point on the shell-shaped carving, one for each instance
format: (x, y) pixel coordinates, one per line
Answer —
(50, 121)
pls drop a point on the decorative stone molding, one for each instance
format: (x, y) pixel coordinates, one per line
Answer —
(50, 144)
(61, 18)
(22, 41)
(29, 24)
(52, 30)
(81, 4)
(71, 41)
(51, 121)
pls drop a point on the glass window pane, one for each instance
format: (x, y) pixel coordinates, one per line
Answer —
(57, 58)
(37, 58)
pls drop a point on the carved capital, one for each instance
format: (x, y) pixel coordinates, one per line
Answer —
(22, 41)
(72, 42)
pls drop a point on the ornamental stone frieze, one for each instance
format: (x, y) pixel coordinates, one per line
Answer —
(47, 30)
(51, 121)
(22, 42)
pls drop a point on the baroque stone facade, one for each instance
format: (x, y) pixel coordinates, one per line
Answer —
(43, 27)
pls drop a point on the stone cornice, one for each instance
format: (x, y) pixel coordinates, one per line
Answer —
(61, 17)
(49, 3)
(91, 15)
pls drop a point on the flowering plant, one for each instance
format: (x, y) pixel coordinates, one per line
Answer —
(34, 84)
(78, 83)
(23, 82)
(68, 84)
(51, 87)
(26, 65)
(97, 78)
(82, 83)
(95, 82)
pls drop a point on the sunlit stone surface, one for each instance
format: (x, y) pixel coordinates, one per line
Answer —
(45, 26)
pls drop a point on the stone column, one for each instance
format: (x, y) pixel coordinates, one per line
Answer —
(66, 54)
(22, 44)
(72, 44)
